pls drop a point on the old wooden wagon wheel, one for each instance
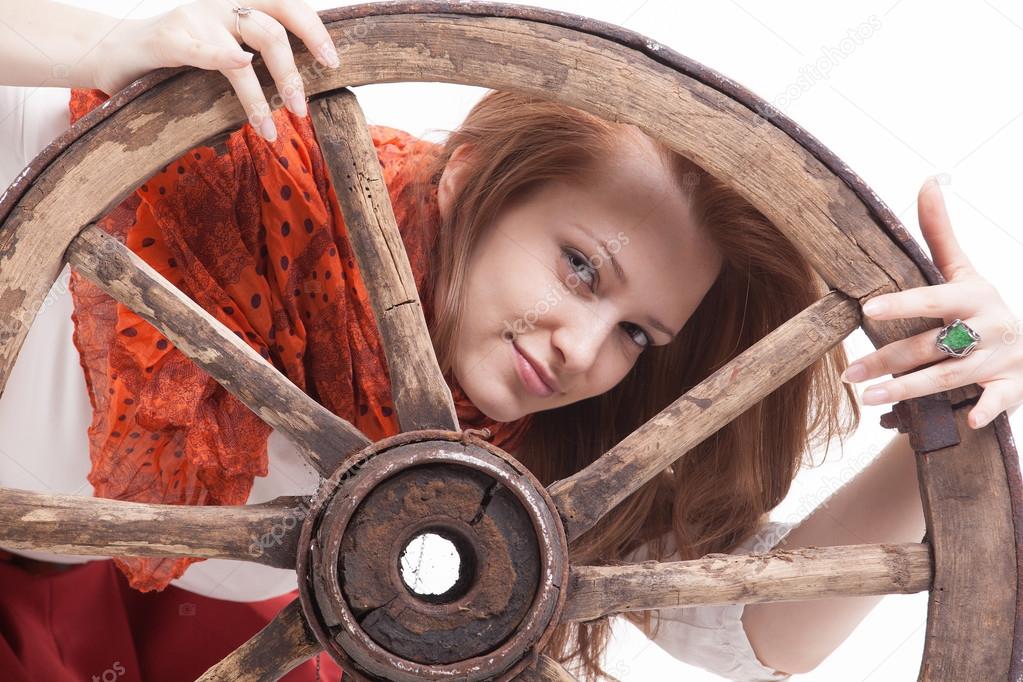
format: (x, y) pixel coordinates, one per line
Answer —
(516, 582)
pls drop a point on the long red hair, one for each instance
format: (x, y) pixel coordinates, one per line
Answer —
(719, 493)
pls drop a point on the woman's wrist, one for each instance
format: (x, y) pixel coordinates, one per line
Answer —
(119, 54)
(49, 44)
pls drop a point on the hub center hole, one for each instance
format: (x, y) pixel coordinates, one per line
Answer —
(433, 568)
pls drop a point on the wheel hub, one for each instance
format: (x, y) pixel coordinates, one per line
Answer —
(506, 547)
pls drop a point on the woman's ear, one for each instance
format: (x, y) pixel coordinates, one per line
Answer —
(452, 179)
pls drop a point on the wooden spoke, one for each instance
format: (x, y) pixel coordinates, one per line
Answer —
(281, 646)
(265, 533)
(421, 395)
(587, 495)
(779, 575)
(323, 438)
(546, 670)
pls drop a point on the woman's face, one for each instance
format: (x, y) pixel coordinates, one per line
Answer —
(530, 277)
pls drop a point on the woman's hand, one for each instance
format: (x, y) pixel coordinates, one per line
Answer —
(997, 362)
(203, 34)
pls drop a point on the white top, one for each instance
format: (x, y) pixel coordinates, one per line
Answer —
(712, 637)
(45, 415)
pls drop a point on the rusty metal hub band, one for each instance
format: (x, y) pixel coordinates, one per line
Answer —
(504, 602)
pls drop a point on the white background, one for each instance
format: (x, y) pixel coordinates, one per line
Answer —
(933, 90)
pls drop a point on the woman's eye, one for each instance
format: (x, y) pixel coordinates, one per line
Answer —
(646, 339)
(573, 257)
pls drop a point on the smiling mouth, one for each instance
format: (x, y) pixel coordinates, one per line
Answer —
(529, 377)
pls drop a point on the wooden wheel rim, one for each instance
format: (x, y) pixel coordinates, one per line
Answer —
(853, 240)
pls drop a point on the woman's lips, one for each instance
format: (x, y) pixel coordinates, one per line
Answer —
(528, 376)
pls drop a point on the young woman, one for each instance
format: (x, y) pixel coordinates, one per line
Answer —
(513, 217)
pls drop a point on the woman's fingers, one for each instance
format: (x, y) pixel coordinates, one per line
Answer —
(207, 33)
(944, 301)
(898, 357)
(183, 48)
(936, 227)
(250, 93)
(998, 396)
(269, 37)
(944, 376)
(302, 20)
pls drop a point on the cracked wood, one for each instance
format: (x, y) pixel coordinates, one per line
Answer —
(421, 395)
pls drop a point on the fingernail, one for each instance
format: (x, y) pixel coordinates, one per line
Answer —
(873, 396)
(330, 56)
(854, 372)
(874, 307)
(267, 129)
(979, 419)
(297, 104)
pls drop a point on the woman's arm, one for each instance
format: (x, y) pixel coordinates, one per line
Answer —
(880, 504)
(49, 44)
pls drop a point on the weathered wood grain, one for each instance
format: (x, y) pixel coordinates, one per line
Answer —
(324, 438)
(421, 395)
(970, 614)
(281, 646)
(265, 533)
(546, 670)
(587, 495)
(779, 575)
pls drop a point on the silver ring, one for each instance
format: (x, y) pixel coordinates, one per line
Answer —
(956, 339)
(240, 12)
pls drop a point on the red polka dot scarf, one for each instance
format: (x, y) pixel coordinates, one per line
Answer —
(251, 230)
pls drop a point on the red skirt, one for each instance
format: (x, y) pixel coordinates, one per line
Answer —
(86, 623)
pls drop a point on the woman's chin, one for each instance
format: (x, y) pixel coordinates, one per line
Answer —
(493, 403)
(502, 412)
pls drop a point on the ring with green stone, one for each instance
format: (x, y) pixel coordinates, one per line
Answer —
(956, 339)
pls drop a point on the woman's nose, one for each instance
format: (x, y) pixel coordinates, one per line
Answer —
(578, 341)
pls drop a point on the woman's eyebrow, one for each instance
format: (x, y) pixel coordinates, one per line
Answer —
(604, 251)
(622, 277)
